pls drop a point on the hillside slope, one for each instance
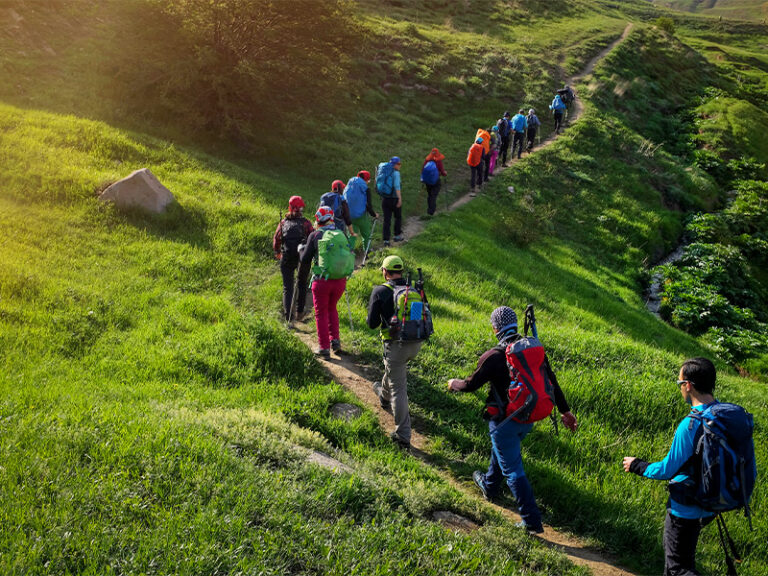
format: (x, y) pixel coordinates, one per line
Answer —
(156, 417)
(742, 9)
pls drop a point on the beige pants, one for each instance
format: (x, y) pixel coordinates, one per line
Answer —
(394, 385)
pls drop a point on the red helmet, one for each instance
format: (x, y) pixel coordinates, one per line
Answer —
(296, 203)
(337, 186)
(323, 214)
(365, 175)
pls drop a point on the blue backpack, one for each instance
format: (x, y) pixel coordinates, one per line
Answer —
(723, 466)
(385, 185)
(333, 201)
(429, 174)
(356, 196)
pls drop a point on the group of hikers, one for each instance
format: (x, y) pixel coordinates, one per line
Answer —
(523, 387)
(519, 131)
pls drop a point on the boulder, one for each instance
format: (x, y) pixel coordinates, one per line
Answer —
(346, 411)
(139, 189)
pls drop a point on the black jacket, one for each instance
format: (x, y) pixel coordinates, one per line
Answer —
(381, 306)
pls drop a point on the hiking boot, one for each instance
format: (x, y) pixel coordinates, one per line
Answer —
(299, 316)
(479, 479)
(402, 444)
(336, 346)
(323, 353)
(386, 243)
(530, 529)
(399, 238)
(505, 165)
(385, 404)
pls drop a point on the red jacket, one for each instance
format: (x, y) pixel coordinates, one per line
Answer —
(475, 155)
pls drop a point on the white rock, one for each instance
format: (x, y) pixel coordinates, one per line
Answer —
(142, 189)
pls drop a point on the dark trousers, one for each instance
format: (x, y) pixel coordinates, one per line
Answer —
(531, 137)
(503, 149)
(388, 208)
(432, 192)
(486, 166)
(288, 266)
(518, 143)
(558, 120)
(680, 539)
(476, 177)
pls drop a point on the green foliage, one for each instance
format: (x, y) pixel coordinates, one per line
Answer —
(719, 285)
(665, 23)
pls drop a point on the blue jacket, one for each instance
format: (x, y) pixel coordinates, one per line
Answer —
(681, 450)
(557, 103)
(519, 123)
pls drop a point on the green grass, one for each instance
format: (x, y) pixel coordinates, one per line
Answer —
(155, 413)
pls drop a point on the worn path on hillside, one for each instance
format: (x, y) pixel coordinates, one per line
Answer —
(358, 378)
(415, 225)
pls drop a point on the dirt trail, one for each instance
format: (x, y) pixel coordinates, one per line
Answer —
(358, 379)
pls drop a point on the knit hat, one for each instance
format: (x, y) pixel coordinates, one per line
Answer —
(365, 175)
(323, 214)
(495, 129)
(479, 141)
(394, 160)
(337, 186)
(296, 203)
(503, 318)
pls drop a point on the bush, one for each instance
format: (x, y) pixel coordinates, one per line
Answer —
(666, 24)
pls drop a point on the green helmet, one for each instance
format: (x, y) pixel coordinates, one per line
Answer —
(393, 264)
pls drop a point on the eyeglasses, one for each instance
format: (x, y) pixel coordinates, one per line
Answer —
(681, 382)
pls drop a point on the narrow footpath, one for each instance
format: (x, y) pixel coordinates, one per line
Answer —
(357, 379)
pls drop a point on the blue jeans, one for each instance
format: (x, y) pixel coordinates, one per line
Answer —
(507, 463)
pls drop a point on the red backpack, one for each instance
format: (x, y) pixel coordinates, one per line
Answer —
(530, 396)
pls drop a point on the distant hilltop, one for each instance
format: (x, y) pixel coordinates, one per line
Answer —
(741, 9)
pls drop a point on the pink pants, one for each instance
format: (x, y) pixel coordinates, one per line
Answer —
(325, 295)
(492, 165)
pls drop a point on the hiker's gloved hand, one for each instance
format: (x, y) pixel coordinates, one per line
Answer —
(569, 421)
(278, 255)
(634, 465)
(456, 384)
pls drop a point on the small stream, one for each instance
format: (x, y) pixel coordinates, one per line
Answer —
(653, 303)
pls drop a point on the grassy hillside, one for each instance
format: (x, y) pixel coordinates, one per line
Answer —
(742, 9)
(156, 416)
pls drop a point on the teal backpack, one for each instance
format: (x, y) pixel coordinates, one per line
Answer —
(335, 259)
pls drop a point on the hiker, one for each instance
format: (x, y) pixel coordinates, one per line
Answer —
(504, 131)
(358, 198)
(431, 171)
(505, 430)
(390, 308)
(557, 107)
(685, 516)
(519, 126)
(292, 231)
(486, 151)
(388, 187)
(475, 162)
(495, 146)
(336, 202)
(568, 96)
(334, 260)
(533, 127)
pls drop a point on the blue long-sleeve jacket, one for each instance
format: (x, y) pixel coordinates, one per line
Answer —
(519, 123)
(679, 453)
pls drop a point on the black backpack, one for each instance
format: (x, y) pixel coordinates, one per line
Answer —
(293, 235)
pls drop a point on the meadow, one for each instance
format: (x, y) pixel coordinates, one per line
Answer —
(156, 415)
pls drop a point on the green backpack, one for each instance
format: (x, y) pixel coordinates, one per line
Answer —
(335, 259)
(412, 319)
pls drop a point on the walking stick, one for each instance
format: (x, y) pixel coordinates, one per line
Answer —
(370, 239)
(293, 297)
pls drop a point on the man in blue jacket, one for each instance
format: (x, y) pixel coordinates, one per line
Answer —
(519, 127)
(558, 109)
(683, 522)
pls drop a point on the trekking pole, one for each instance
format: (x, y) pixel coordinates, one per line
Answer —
(293, 297)
(370, 240)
